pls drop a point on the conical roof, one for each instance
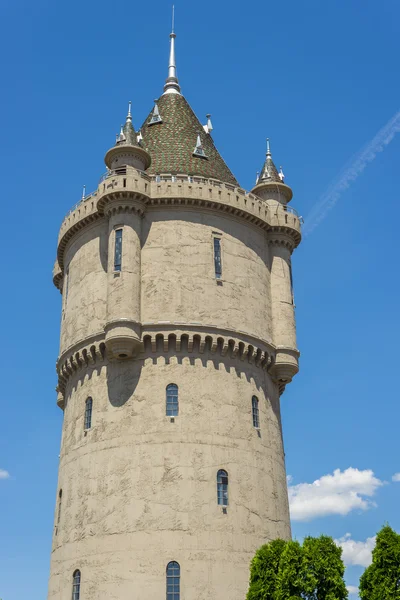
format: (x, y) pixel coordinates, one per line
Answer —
(269, 172)
(130, 134)
(172, 141)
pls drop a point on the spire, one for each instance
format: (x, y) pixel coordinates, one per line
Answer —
(129, 115)
(171, 84)
(269, 171)
(127, 134)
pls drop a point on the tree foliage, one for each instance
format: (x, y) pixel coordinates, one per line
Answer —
(323, 569)
(381, 580)
(284, 570)
(264, 569)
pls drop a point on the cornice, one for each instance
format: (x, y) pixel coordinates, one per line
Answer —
(162, 339)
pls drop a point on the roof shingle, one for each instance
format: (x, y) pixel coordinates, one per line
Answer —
(171, 142)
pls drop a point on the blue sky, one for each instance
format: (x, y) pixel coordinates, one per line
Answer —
(320, 79)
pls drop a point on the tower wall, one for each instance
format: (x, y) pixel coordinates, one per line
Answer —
(178, 278)
(140, 490)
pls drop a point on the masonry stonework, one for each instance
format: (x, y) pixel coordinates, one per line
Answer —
(139, 488)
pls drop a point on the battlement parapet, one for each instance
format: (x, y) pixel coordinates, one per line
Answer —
(178, 191)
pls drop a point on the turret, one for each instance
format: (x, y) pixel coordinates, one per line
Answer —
(270, 184)
(124, 211)
(283, 237)
(127, 150)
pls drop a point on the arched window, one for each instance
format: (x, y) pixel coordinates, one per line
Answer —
(88, 413)
(222, 487)
(76, 585)
(256, 415)
(172, 400)
(59, 506)
(173, 581)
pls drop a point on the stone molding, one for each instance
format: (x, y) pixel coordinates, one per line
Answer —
(184, 341)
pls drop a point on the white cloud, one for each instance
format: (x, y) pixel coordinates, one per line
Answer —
(396, 477)
(4, 474)
(352, 589)
(356, 553)
(336, 494)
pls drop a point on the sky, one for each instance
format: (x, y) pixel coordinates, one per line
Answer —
(320, 79)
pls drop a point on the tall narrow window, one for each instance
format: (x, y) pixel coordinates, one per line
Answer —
(222, 487)
(254, 408)
(291, 280)
(217, 258)
(118, 250)
(59, 506)
(76, 585)
(65, 295)
(88, 413)
(172, 400)
(66, 284)
(173, 581)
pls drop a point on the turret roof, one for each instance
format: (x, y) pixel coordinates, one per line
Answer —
(269, 171)
(171, 142)
(128, 135)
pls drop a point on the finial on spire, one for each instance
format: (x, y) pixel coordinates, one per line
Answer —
(83, 192)
(121, 137)
(268, 148)
(129, 115)
(171, 85)
(257, 176)
(281, 174)
(208, 126)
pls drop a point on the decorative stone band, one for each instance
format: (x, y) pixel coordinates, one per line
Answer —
(184, 341)
(196, 193)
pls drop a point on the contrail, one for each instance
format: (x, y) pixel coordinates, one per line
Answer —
(350, 172)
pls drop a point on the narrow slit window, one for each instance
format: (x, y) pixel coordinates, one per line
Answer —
(59, 506)
(88, 413)
(173, 581)
(76, 585)
(217, 258)
(118, 250)
(222, 487)
(255, 411)
(172, 409)
(66, 284)
(291, 280)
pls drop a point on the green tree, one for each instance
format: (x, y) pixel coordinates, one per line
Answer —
(264, 570)
(288, 571)
(381, 580)
(323, 569)
(290, 581)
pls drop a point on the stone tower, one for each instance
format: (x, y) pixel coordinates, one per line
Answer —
(177, 340)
